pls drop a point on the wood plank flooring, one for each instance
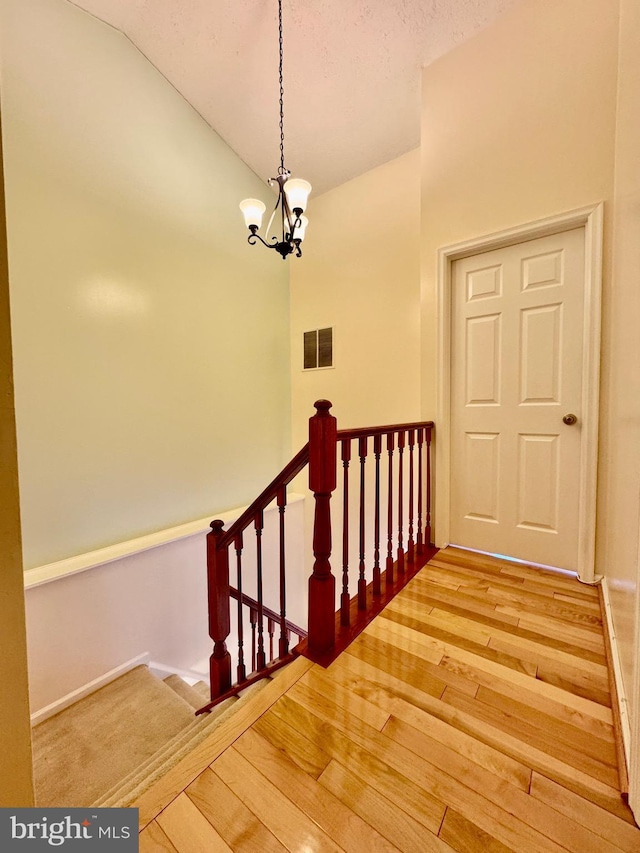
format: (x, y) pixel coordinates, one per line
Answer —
(473, 714)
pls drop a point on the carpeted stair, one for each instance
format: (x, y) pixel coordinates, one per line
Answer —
(111, 745)
(196, 696)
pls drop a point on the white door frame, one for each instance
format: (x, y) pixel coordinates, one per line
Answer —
(591, 219)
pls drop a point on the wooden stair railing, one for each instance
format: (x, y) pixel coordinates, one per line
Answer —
(219, 543)
(405, 499)
(403, 546)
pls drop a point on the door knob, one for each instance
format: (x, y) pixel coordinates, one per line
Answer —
(570, 420)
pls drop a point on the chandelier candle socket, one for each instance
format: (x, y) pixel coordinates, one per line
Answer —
(293, 194)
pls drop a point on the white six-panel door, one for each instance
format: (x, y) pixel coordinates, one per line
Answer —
(516, 371)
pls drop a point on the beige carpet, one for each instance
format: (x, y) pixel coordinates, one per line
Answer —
(85, 750)
(196, 696)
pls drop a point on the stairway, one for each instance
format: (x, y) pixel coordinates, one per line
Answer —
(108, 747)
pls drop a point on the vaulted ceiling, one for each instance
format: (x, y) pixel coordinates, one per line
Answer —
(351, 71)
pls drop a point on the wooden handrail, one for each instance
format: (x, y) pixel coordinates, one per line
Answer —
(365, 432)
(269, 494)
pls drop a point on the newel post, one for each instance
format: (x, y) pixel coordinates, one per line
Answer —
(322, 482)
(219, 615)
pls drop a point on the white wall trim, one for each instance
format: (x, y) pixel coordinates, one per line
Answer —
(623, 704)
(87, 689)
(591, 219)
(591, 337)
(102, 556)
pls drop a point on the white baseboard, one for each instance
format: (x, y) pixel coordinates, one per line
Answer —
(86, 689)
(623, 703)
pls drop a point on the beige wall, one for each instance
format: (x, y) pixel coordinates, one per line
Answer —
(151, 344)
(620, 471)
(360, 274)
(517, 124)
(520, 123)
(16, 784)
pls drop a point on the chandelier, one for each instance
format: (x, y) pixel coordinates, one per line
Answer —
(292, 195)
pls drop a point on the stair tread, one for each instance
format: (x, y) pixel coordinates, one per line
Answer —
(139, 779)
(130, 788)
(203, 689)
(185, 691)
(84, 750)
(111, 746)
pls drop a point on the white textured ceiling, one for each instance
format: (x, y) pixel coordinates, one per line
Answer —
(351, 71)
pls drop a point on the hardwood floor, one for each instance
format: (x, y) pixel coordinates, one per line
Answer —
(473, 714)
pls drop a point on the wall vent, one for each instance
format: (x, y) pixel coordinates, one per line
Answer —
(318, 349)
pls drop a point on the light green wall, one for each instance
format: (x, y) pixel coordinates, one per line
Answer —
(151, 344)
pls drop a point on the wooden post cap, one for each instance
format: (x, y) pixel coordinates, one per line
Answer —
(322, 448)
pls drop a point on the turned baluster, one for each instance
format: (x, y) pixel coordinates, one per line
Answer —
(377, 449)
(389, 564)
(420, 541)
(261, 658)
(427, 532)
(253, 621)
(410, 542)
(322, 482)
(362, 581)
(242, 670)
(271, 630)
(401, 440)
(283, 642)
(344, 598)
(219, 610)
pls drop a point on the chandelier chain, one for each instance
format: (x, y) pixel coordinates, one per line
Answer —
(291, 201)
(282, 169)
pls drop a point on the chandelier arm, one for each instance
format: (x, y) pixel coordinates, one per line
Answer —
(251, 240)
(273, 213)
(291, 221)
